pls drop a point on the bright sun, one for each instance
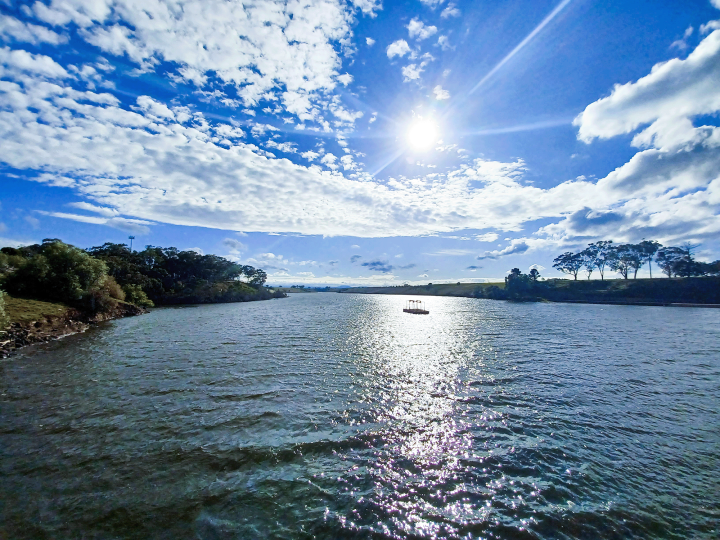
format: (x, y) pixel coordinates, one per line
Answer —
(422, 135)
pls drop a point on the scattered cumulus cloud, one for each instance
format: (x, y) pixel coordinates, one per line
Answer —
(398, 48)
(516, 247)
(370, 42)
(450, 11)
(418, 30)
(440, 93)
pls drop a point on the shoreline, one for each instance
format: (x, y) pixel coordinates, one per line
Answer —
(52, 327)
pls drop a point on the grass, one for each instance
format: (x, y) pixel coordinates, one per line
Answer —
(21, 310)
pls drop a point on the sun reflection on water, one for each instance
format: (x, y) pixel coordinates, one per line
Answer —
(419, 413)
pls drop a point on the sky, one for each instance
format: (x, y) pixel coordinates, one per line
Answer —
(351, 142)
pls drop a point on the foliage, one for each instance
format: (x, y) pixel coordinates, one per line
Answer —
(647, 250)
(534, 274)
(624, 259)
(135, 295)
(60, 272)
(4, 320)
(627, 259)
(99, 278)
(569, 263)
(602, 253)
(166, 274)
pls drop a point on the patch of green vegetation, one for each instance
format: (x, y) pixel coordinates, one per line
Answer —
(293, 289)
(23, 311)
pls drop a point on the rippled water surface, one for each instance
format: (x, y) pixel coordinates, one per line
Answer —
(339, 416)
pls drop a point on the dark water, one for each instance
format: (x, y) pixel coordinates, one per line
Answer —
(338, 416)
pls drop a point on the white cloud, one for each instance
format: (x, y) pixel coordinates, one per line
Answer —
(310, 155)
(444, 43)
(398, 48)
(715, 3)
(709, 27)
(286, 147)
(516, 247)
(103, 211)
(14, 61)
(487, 237)
(370, 42)
(13, 29)
(412, 72)
(256, 47)
(432, 3)
(368, 7)
(674, 90)
(450, 11)
(441, 94)
(151, 165)
(329, 160)
(418, 30)
(134, 226)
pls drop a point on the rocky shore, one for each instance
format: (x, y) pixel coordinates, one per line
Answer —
(51, 327)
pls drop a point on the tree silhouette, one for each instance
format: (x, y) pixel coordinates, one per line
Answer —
(647, 250)
(569, 263)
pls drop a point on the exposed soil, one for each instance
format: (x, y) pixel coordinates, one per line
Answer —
(51, 327)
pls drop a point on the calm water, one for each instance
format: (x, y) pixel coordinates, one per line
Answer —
(338, 416)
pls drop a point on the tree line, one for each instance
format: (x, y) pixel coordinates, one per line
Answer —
(98, 278)
(627, 259)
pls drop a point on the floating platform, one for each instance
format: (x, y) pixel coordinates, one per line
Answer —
(416, 307)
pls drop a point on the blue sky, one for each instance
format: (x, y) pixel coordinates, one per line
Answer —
(361, 141)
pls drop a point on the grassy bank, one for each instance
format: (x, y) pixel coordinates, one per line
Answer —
(23, 311)
(35, 321)
(660, 291)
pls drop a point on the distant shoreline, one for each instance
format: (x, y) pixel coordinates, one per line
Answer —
(662, 292)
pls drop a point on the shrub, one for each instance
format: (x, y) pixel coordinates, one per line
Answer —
(135, 295)
(4, 320)
(59, 272)
(104, 296)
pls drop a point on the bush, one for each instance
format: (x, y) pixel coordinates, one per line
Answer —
(104, 296)
(59, 272)
(4, 320)
(135, 295)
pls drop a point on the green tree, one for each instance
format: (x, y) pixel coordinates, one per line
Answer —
(625, 259)
(603, 252)
(668, 259)
(135, 295)
(569, 263)
(647, 250)
(58, 272)
(534, 275)
(589, 259)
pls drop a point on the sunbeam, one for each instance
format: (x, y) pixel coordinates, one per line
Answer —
(523, 127)
(522, 44)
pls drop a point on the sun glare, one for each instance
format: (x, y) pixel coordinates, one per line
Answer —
(422, 135)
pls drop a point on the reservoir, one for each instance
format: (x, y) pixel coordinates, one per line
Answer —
(339, 416)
